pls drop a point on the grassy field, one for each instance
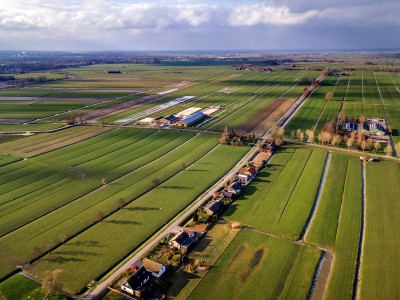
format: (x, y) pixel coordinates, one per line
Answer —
(285, 270)
(347, 237)
(379, 269)
(279, 200)
(19, 287)
(97, 249)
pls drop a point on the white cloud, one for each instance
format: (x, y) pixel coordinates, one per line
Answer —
(246, 15)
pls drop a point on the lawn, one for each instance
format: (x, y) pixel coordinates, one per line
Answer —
(258, 266)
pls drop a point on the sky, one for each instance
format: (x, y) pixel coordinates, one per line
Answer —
(199, 24)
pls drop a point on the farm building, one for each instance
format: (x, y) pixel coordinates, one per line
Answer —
(372, 127)
(178, 239)
(136, 282)
(170, 120)
(158, 121)
(113, 72)
(261, 157)
(235, 188)
(188, 111)
(156, 269)
(192, 119)
(212, 207)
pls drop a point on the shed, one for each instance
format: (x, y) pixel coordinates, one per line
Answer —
(192, 119)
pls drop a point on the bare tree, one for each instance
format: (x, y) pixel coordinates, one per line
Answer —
(362, 119)
(292, 134)
(224, 136)
(310, 135)
(369, 144)
(336, 140)
(328, 96)
(398, 148)
(319, 137)
(377, 146)
(51, 283)
(280, 131)
(62, 236)
(363, 145)
(301, 136)
(388, 150)
(121, 203)
(37, 251)
(349, 143)
(99, 215)
(278, 141)
(155, 181)
(341, 117)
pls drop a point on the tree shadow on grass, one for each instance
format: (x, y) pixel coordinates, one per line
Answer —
(123, 222)
(176, 187)
(75, 253)
(62, 259)
(141, 208)
(85, 243)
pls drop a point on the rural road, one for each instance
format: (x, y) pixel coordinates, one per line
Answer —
(100, 289)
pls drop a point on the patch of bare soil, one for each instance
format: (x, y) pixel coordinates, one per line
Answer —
(225, 78)
(268, 117)
(106, 112)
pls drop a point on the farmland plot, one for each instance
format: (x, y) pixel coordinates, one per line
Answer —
(284, 268)
(380, 276)
(94, 251)
(279, 200)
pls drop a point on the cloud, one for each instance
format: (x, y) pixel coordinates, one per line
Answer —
(246, 15)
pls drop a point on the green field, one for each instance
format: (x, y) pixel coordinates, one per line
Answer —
(19, 287)
(257, 266)
(279, 200)
(379, 269)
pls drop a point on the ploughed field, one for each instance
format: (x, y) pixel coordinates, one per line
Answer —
(51, 201)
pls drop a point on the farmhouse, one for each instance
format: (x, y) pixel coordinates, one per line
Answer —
(192, 119)
(158, 121)
(156, 269)
(213, 207)
(261, 157)
(136, 282)
(184, 239)
(235, 188)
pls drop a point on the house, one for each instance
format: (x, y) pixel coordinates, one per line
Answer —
(260, 159)
(249, 171)
(244, 178)
(178, 239)
(235, 188)
(212, 207)
(156, 269)
(192, 119)
(134, 285)
(227, 194)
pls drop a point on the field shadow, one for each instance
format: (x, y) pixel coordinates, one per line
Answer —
(141, 208)
(202, 245)
(62, 260)
(395, 132)
(123, 222)
(85, 243)
(176, 187)
(75, 253)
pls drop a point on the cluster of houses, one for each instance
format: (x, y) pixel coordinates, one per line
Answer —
(183, 238)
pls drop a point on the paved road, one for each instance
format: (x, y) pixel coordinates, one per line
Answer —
(100, 289)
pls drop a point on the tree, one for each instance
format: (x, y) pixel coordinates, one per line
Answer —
(369, 144)
(51, 282)
(278, 141)
(336, 140)
(341, 117)
(225, 136)
(363, 145)
(377, 146)
(349, 143)
(121, 203)
(155, 181)
(103, 181)
(388, 150)
(280, 131)
(37, 251)
(301, 136)
(99, 215)
(329, 127)
(62, 236)
(48, 246)
(319, 137)
(328, 96)
(310, 135)
(398, 148)
(362, 119)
